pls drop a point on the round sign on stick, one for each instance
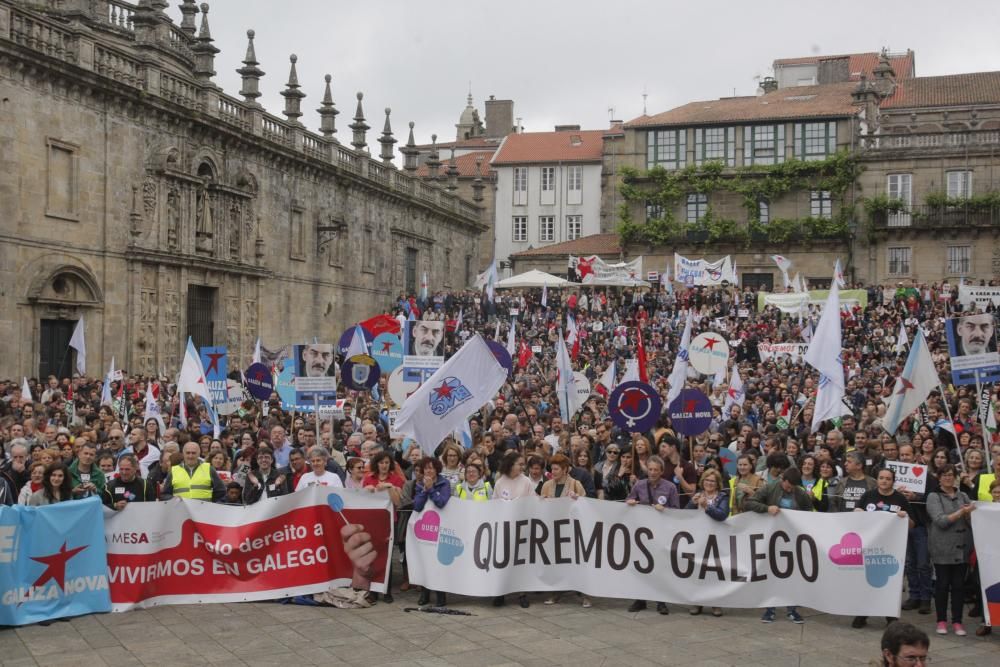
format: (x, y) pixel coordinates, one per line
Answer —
(500, 352)
(360, 372)
(691, 412)
(634, 406)
(387, 350)
(709, 353)
(582, 386)
(260, 383)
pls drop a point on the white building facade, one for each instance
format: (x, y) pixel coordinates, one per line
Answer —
(548, 190)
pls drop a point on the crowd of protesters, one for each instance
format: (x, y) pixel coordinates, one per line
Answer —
(63, 443)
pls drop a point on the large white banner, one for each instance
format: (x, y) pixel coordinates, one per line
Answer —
(595, 271)
(190, 551)
(849, 564)
(702, 272)
(983, 296)
(986, 532)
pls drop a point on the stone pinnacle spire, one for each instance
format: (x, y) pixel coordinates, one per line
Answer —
(327, 112)
(359, 127)
(250, 73)
(387, 140)
(410, 153)
(293, 96)
(204, 50)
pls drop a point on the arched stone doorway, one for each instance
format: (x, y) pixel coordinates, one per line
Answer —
(60, 295)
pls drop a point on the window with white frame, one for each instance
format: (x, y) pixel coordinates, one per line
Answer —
(574, 227)
(546, 229)
(574, 178)
(900, 187)
(959, 184)
(697, 206)
(815, 141)
(548, 179)
(763, 144)
(666, 148)
(520, 228)
(763, 211)
(959, 260)
(820, 204)
(715, 144)
(899, 261)
(520, 186)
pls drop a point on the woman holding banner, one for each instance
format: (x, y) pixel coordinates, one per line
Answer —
(712, 499)
(435, 488)
(949, 543)
(744, 484)
(512, 484)
(56, 487)
(562, 485)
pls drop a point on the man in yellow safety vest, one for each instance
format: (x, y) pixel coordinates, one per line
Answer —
(193, 478)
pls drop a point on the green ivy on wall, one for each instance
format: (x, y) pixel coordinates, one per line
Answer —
(667, 189)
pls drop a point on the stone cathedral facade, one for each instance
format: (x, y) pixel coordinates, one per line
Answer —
(138, 195)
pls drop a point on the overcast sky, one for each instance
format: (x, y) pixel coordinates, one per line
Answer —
(569, 61)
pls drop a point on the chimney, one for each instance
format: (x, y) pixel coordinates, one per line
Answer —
(833, 70)
(769, 84)
(567, 128)
(499, 117)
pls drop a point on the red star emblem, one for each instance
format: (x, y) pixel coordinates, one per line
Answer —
(386, 346)
(583, 267)
(689, 405)
(710, 343)
(56, 565)
(213, 361)
(732, 393)
(907, 386)
(630, 400)
(444, 391)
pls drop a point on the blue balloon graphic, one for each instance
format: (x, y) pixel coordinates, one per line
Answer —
(335, 502)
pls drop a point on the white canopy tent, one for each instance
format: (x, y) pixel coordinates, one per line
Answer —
(534, 278)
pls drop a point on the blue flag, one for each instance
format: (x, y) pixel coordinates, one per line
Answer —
(53, 562)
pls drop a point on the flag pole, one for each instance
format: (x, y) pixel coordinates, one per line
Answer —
(951, 420)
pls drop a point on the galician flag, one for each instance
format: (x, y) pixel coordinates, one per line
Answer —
(79, 343)
(783, 264)
(678, 376)
(913, 386)
(152, 410)
(358, 344)
(569, 397)
(459, 388)
(192, 377)
(423, 287)
(511, 338)
(824, 354)
(901, 340)
(736, 394)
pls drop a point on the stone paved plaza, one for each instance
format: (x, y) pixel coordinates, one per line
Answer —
(385, 635)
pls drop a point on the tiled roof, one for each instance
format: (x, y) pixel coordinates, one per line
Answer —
(466, 164)
(950, 90)
(566, 146)
(828, 101)
(860, 63)
(595, 244)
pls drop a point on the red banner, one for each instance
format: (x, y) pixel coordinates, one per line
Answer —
(185, 551)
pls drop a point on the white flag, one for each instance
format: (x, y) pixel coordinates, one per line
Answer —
(496, 334)
(510, 338)
(797, 284)
(26, 390)
(783, 265)
(423, 287)
(358, 344)
(256, 352)
(152, 410)
(106, 390)
(631, 371)
(807, 333)
(458, 322)
(569, 397)
(678, 376)
(736, 394)
(545, 296)
(824, 354)
(838, 275)
(736, 275)
(192, 377)
(902, 341)
(447, 398)
(913, 387)
(78, 342)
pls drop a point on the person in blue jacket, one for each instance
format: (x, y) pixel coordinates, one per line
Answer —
(435, 488)
(713, 499)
